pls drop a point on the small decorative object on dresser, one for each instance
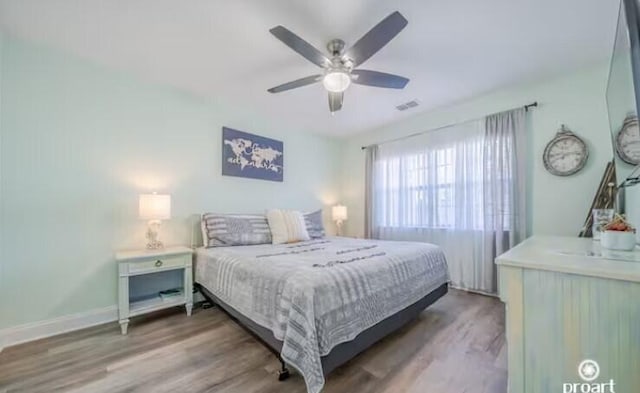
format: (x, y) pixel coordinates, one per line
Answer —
(618, 234)
(565, 154)
(605, 198)
(339, 215)
(135, 263)
(628, 141)
(600, 218)
(154, 207)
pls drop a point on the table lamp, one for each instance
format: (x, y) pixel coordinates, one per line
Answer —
(154, 208)
(339, 214)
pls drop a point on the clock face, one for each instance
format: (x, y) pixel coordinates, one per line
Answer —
(628, 142)
(565, 155)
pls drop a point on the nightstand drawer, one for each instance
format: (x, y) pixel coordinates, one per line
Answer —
(163, 263)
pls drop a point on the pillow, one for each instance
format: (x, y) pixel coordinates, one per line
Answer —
(220, 230)
(287, 226)
(313, 222)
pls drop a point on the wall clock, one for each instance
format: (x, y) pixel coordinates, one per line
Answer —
(628, 141)
(565, 154)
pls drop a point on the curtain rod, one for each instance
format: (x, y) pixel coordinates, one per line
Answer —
(526, 108)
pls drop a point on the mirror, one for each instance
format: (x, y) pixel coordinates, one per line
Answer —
(621, 95)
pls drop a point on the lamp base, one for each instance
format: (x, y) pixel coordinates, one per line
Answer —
(157, 245)
(339, 225)
(153, 243)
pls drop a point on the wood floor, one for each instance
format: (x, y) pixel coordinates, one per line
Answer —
(457, 345)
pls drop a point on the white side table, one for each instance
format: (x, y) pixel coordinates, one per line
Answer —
(138, 262)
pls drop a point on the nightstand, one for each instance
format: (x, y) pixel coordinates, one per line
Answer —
(139, 262)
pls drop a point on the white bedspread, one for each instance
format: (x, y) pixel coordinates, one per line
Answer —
(317, 294)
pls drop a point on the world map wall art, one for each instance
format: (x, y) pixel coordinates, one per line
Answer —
(252, 156)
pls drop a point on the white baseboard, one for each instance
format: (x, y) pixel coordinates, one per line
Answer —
(51, 327)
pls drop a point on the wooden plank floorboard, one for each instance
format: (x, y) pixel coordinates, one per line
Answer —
(457, 345)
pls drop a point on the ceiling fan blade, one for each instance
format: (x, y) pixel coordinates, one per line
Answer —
(378, 79)
(301, 46)
(376, 38)
(335, 101)
(296, 83)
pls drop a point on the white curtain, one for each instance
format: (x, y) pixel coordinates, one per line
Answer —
(457, 187)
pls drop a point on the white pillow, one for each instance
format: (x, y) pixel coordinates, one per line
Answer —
(287, 226)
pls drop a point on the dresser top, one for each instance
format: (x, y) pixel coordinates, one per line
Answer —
(573, 255)
(144, 253)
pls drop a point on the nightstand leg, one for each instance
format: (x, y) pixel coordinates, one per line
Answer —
(123, 326)
(188, 288)
(123, 302)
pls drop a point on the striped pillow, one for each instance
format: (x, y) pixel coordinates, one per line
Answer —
(287, 226)
(314, 224)
(220, 230)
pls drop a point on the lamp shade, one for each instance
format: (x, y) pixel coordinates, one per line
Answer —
(155, 206)
(339, 213)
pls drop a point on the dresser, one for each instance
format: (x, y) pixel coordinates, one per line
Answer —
(572, 316)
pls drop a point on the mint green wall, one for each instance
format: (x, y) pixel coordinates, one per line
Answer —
(558, 205)
(80, 142)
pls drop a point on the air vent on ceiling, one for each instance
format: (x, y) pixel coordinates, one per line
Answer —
(407, 105)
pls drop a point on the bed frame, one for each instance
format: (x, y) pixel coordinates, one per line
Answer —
(342, 353)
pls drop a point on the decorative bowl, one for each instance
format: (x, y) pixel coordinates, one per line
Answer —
(618, 240)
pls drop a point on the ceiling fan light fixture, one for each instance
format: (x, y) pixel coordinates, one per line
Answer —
(340, 67)
(336, 81)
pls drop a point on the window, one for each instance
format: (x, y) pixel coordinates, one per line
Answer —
(460, 187)
(441, 185)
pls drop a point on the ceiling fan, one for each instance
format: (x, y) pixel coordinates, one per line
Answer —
(339, 66)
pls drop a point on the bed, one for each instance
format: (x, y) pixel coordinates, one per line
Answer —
(319, 303)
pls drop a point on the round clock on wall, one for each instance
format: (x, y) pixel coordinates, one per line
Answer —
(565, 154)
(628, 141)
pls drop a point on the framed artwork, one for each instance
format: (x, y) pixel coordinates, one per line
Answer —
(252, 156)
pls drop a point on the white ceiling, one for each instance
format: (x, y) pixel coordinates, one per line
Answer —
(451, 50)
